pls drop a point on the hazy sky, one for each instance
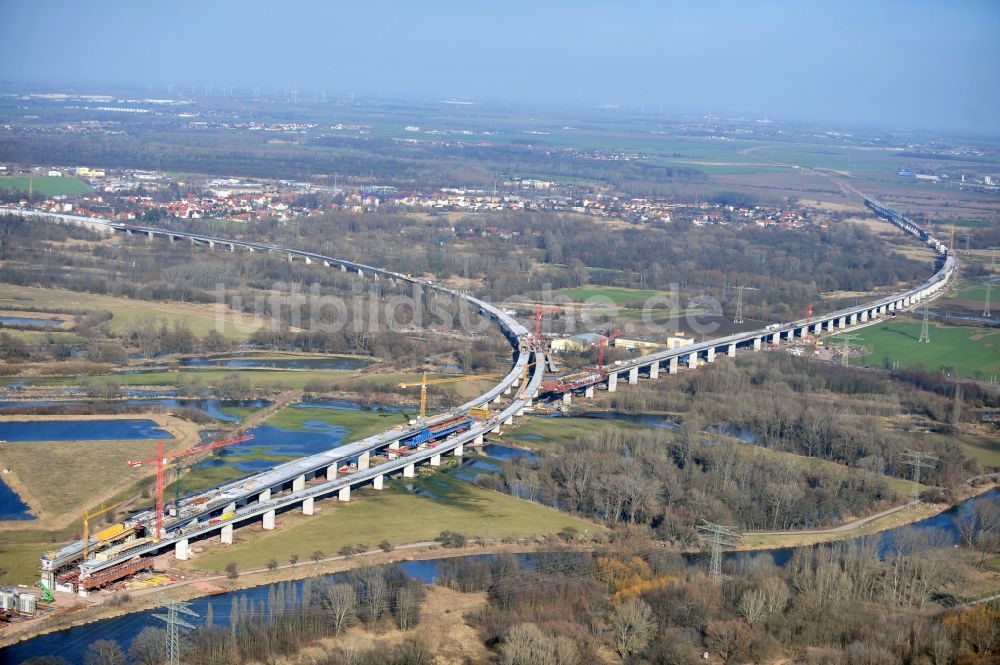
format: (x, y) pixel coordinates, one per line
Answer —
(898, 63)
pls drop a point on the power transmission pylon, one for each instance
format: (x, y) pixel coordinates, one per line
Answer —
(739, 305)
(845, 353)
(174, 623)
(716, 535)
(918, 460)
(925, 330)
(986, 308)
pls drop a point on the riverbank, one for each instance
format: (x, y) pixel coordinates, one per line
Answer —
(99, 608)
(886, 520)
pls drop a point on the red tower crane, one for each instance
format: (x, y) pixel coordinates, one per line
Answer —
(603, 343)
(537, 318)
(161, 460)
(809, 313)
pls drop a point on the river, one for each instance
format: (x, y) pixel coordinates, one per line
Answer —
(72, 643)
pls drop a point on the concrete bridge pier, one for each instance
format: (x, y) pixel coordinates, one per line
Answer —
(299, 483)
(790, 335)
(497, 399)
(378, 482)
(864, 316)
(509, 420)
(361, 273)
(269, 520)
(343, 268)
(264, 496)
(331, 471)
(841, 323)
(308, 260)
(344, 494)
(435, 460)
(692, 360)
(852, 319)
(710, 355)
(308, 506)
(364, 460)
(817, 328)
(232, 247)
(409, 471)
(654, 370)
(326, 264)
(226, 534)
(211, 244)
(757, 343)
(588, 392)
(633, 376)
(250, 249)
(149, 235)
(230, 508)
(776, 338)
(567, 398)
(182, 551)
(804, 332)
(731, 351)
(612, 382)
(672, 367)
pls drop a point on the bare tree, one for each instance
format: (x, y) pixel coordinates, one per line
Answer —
(149, 647)
(775, 592)
(979, 528)
(633, 625)
(753, 605)
(728, 638)
(526, 644)
(104, 652)
(374, 592)
(341, 601)
(407, 607)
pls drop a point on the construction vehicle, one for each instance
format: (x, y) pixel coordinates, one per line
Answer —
(46, 593)
(161, 460)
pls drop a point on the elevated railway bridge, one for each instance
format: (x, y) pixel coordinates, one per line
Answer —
(334, 473)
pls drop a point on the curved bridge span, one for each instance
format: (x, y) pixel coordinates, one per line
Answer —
(298, 484)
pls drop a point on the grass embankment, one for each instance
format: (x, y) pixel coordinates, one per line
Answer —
(359, 422)
(394, 515)
(201, 318)
(965, 350)
(47, 185)
(60, 480)
(547, 432)
(617, 295)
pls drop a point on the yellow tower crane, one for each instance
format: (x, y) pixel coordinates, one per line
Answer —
(86, 525)
(433, 382)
